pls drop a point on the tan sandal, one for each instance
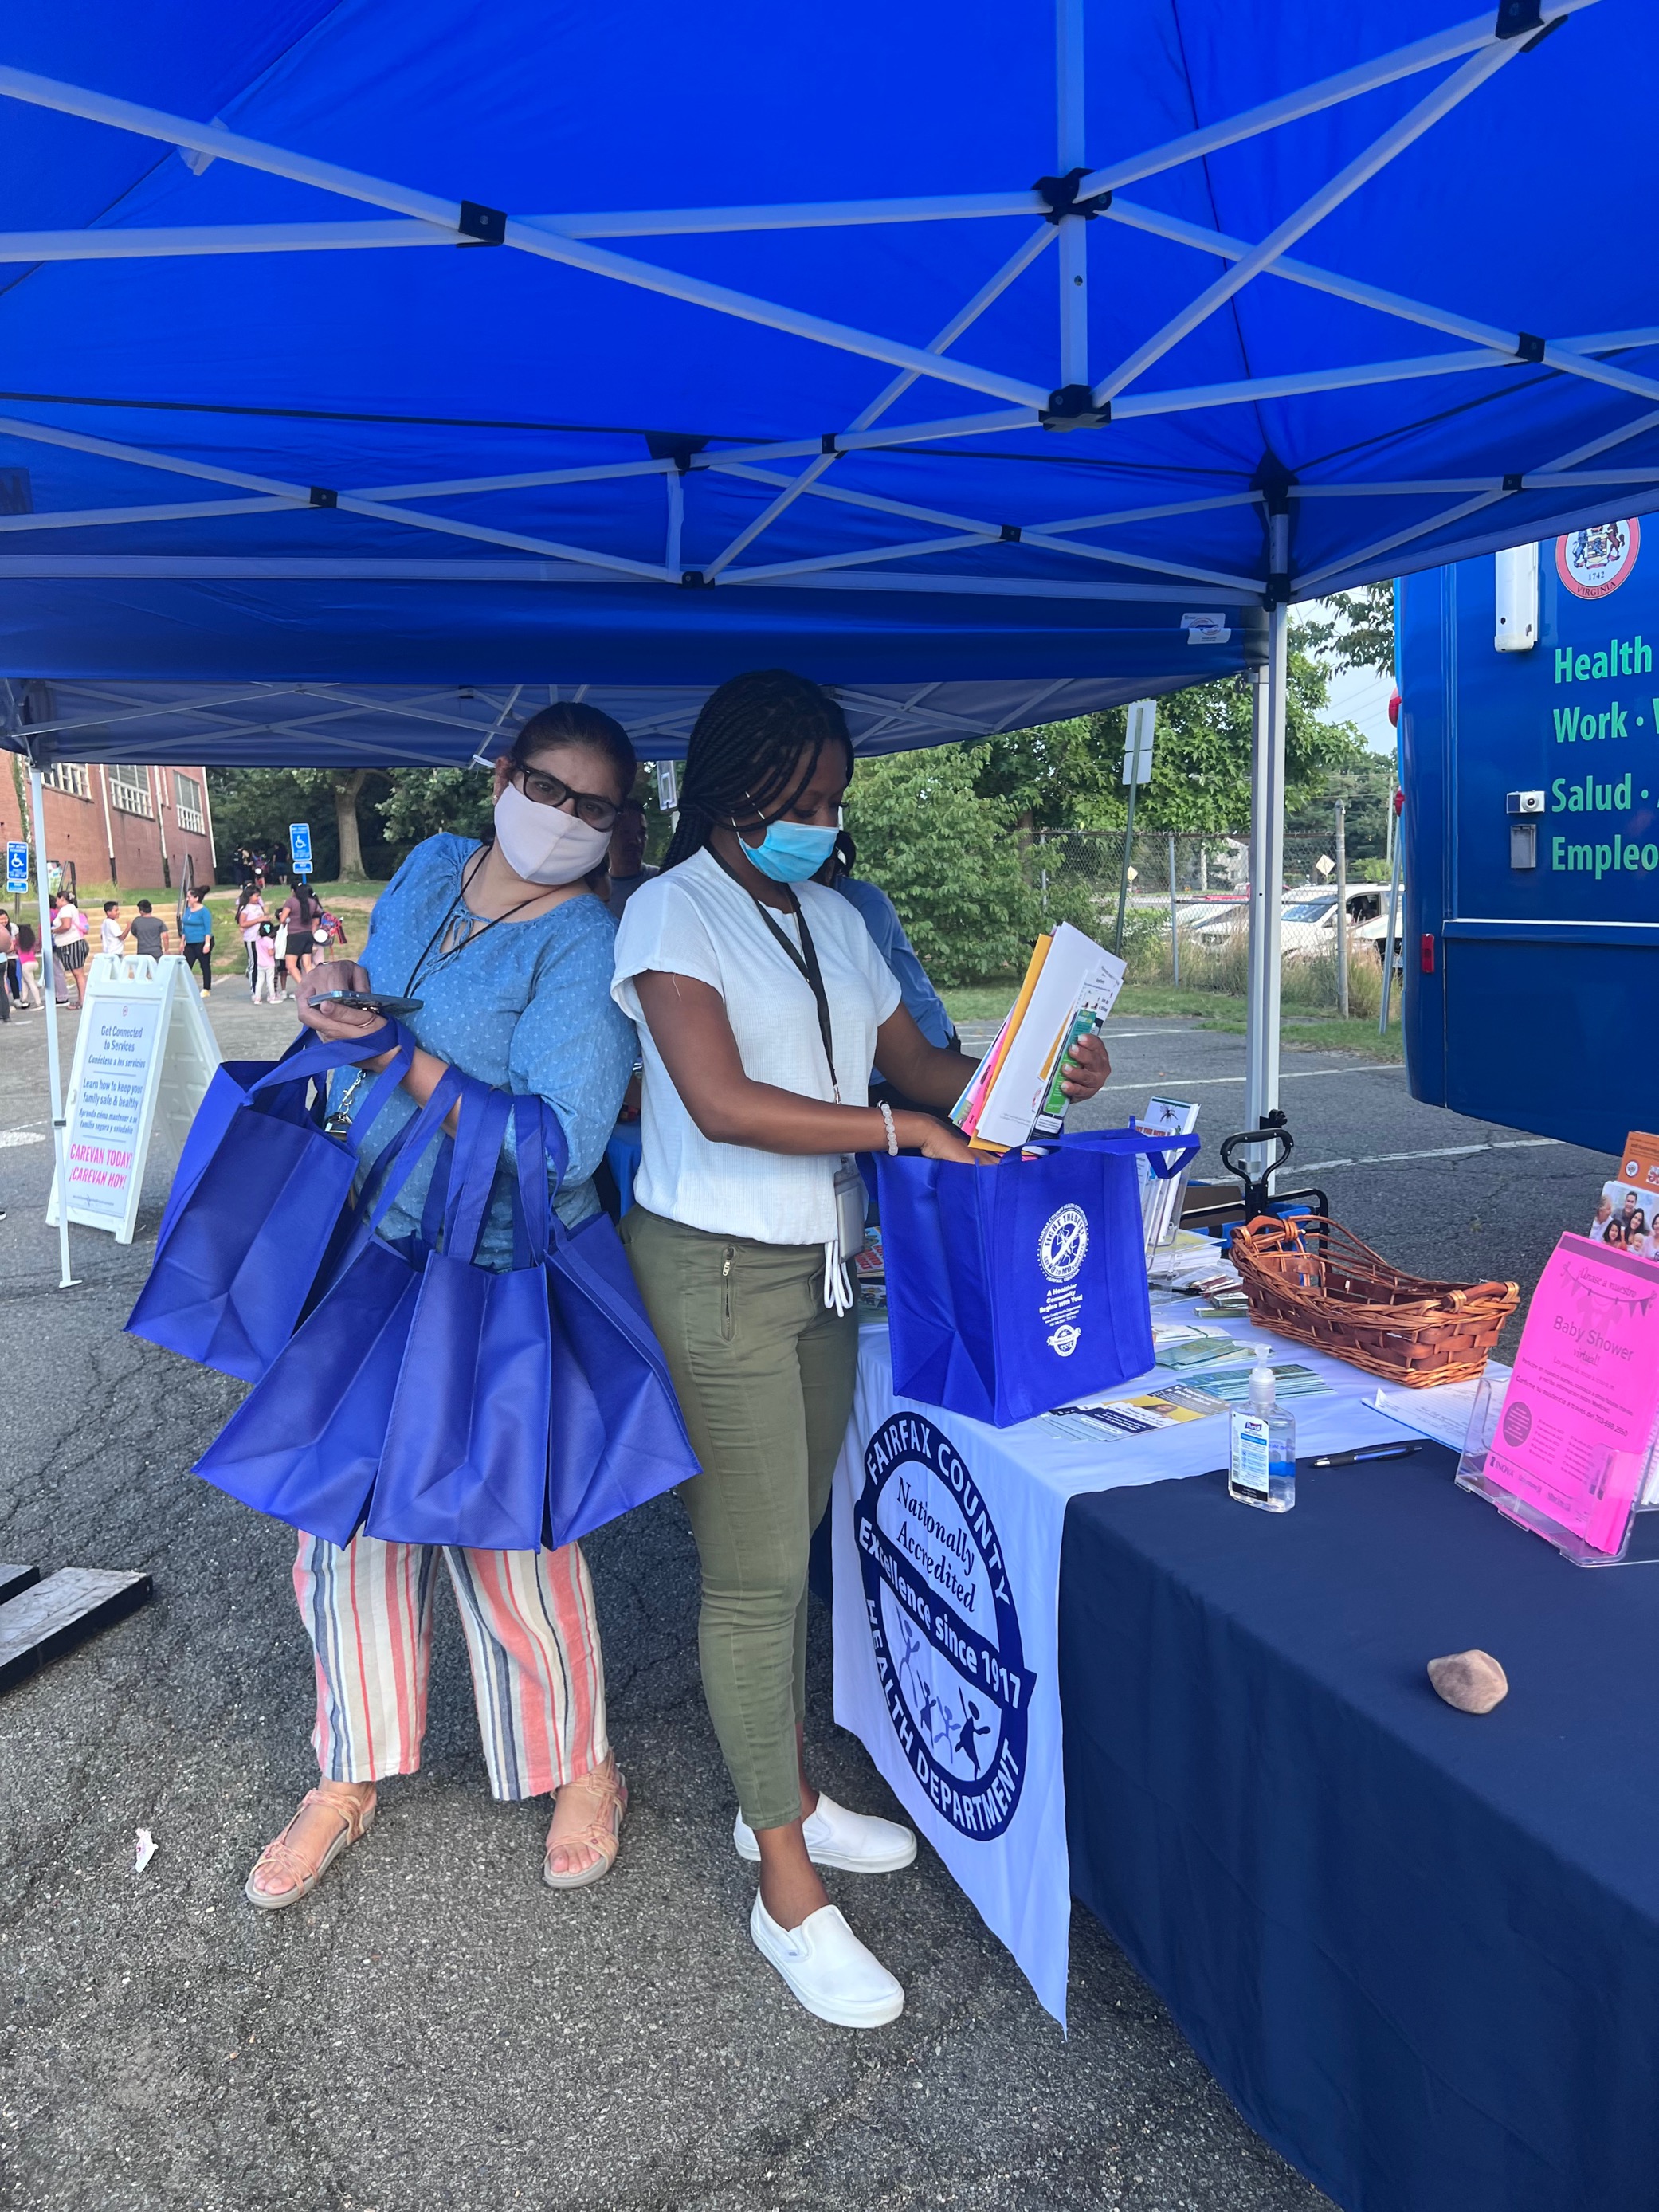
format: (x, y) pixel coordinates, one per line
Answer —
(279, 1856)
(602, 1835)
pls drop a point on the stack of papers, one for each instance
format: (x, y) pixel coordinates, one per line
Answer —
(1070, 986)
(1161, 1196)
(1105, 1418)
(1443, 1411)
(870, 1273)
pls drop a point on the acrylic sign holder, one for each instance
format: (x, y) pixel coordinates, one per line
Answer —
(1638, 1548)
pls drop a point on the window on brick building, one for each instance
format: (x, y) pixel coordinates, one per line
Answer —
(69, 776)
(129, 788)
(187, 803)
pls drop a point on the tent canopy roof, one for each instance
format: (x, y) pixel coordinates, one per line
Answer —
(381, 344)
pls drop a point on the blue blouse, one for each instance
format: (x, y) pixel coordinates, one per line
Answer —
(525, 1008)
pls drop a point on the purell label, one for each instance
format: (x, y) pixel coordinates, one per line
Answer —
(1249, 1459)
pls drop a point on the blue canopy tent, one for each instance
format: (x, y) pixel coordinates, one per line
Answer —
(913, 349)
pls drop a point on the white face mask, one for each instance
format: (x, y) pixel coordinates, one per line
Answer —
(543, 844)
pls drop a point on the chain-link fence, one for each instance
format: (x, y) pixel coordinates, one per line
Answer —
(1186, 910)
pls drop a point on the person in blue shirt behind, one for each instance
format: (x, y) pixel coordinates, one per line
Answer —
(922, 1001)
(196, 928)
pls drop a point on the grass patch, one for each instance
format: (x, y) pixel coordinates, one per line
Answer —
(1208, 1010)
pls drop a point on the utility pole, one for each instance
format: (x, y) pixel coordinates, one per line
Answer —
(1342, 908)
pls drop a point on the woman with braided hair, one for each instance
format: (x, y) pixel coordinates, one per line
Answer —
(761, 1003)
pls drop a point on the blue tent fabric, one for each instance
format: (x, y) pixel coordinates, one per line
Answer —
(374, 408)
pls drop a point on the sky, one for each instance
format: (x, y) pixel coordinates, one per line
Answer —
(1362, 697)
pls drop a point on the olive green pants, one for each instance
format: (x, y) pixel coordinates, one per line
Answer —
(764, 1373)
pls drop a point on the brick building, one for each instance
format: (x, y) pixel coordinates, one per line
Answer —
(120, 826)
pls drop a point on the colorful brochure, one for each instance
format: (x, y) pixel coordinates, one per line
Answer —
(1576, 1436)
(1070, 981)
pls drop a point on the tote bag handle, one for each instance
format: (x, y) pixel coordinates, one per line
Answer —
(1165, 1154)
(485, 1113)
(322, 1055)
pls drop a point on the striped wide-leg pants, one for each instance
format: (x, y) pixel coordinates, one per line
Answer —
(533, 1639)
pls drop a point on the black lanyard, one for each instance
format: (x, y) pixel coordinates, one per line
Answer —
(805, 962)
(458, 904)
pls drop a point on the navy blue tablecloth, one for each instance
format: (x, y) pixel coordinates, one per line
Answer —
(1419, 1950)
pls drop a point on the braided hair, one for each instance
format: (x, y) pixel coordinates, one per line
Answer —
(754, 749)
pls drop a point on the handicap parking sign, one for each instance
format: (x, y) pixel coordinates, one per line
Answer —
(17, 867)
(299, 847)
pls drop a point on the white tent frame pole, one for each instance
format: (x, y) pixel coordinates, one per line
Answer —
(1074, 228)
(1269, 703)
(427, 214)
(1571, 356)
(1307, 585)
(66, 1277)
(1347, 180)
(1016, 262)
(982, 529)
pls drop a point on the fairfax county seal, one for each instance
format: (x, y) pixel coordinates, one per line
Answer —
(1063, 1243)
(943, 1626)
(1593, 561)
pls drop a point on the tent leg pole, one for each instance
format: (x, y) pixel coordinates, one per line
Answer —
(1267, 725)
(1123, 873)
(66, 1278)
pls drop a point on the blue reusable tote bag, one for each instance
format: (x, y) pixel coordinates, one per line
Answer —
(465, 1460)
(618, 1439)
(304, 1444)
(1015, 1288)
(259, 1192)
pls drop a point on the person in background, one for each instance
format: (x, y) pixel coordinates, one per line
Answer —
(196, 932)
(337, 945)
(628, 866)
(761, 1001)
(69, 947)
(922, 1002)
(111, 935)
(299, 912)
(279, 948)
(148, 931)
(264, 968)
(28, 965)
(249, 913)
(5, 967)
(11, 973)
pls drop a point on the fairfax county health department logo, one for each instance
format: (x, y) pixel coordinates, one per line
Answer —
(943, 1626)
(1063, 1243)
(1593, 561)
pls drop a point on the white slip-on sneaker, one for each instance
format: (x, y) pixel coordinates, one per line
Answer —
(827, 1969)
(854, 1843)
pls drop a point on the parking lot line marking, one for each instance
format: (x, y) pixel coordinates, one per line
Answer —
(1291, 1075)
(1439, 1152)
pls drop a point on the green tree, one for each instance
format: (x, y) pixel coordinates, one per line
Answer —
(1365, 784)
(424, 801)
(1352, 629)
(947, 858)
(254, 807)
(1067, 775)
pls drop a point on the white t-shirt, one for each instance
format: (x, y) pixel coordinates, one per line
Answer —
(696, 921)
(110, 935)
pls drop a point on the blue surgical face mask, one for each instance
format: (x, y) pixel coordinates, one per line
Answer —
(790, 852)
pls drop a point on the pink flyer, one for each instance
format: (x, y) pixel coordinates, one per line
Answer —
(1578, 1420)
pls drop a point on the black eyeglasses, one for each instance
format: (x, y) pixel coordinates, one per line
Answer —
(547, 791)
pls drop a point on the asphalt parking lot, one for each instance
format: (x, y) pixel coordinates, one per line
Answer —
(434, 2027)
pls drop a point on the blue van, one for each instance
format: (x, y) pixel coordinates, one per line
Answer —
(1530, 759)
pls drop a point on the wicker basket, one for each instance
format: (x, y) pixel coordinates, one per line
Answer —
(1312, 1279)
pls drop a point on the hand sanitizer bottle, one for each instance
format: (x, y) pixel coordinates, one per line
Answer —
(1263, 1468)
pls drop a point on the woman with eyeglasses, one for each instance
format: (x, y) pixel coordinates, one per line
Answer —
(510, 953)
